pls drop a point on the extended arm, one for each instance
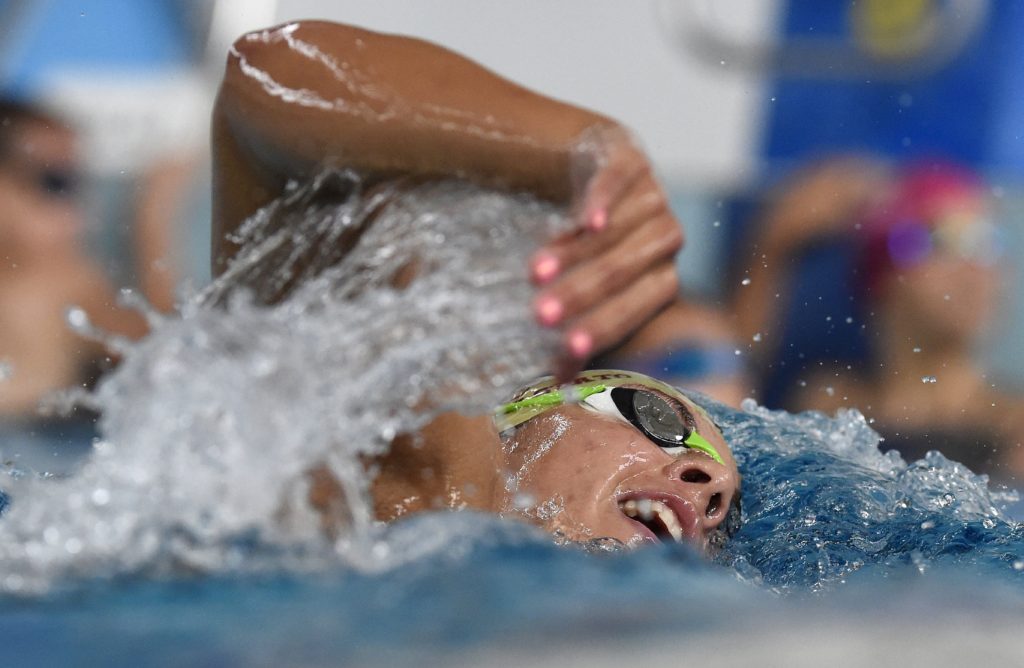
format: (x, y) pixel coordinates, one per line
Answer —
(300, 95)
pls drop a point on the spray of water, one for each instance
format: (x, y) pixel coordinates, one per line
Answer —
(351, 314)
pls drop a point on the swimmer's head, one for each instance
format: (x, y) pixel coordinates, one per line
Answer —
(40, 215)
(931, 250)
(619, 455)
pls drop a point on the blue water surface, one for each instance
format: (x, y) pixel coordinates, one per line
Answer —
(832, 528)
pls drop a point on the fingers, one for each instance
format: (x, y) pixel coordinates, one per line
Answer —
(616, 270)
(653, 243)
(605, 325)
(642, 203)
(623, 167)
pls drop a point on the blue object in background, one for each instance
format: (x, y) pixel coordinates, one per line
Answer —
(969, 110)
(121, 35)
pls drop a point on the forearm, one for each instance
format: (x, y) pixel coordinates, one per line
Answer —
(296, 96)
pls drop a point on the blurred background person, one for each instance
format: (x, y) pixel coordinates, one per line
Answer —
(925, 282)
(103, 186)
(45, 267)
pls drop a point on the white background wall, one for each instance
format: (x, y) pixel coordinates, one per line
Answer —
(698, 122)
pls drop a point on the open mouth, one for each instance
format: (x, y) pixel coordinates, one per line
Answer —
(658, 516)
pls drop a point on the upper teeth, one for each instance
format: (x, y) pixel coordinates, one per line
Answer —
(646, 509)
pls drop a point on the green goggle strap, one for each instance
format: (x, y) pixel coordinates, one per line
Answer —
(698, 442)
(555, 398)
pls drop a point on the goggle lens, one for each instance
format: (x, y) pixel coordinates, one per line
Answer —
(669, 423)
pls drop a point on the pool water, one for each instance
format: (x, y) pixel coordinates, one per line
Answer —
(184, 539)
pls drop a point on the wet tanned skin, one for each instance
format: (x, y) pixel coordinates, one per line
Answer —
(301, 95)
(384, 105)
(307, 94)
(582, 463)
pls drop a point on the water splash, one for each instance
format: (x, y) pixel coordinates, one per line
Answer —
(211, 424)
(823, 503)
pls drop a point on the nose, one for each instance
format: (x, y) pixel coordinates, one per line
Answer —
(705, 483)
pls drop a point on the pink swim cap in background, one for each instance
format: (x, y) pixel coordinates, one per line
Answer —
(898, 231)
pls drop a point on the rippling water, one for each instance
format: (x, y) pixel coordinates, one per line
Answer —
(185, 538)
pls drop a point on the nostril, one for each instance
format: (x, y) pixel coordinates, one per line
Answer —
(714, 503)
(695, 476)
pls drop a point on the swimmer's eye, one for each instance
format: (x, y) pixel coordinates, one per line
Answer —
(665, 422)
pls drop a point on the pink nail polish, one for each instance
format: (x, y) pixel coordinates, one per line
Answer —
(549, 310)
(598, 220)
(580, 344)
(545, 267)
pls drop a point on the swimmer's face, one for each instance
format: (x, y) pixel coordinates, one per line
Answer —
(39, 214)
(952, 293)
(587, 475)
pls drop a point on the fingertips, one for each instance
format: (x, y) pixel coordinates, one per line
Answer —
(545, 266)
(609, 323)
(645, 202)
(597, 219)
(580, 344)
(604, 274)
(549, 310)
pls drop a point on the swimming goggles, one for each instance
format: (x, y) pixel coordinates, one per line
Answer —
(911, 241)
(659, 411)
(54, 182)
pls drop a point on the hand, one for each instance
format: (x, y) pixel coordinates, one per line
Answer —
(616, 269)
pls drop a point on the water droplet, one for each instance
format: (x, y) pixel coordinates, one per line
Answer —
(1018, 565)
(945, 297)
(917, 349)
(929, 379)
(803, 383)
(830, 391)
(773, 98)
(717, 223)
(757, 337)
(745, 281)
(100, 497)
(849, 320)
(6, 370)
(927, 524)
(738, 351)
(77, 319)
(524, 501)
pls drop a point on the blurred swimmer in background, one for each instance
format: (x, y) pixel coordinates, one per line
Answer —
(929, 275)
(617, 455)
(45, 267)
